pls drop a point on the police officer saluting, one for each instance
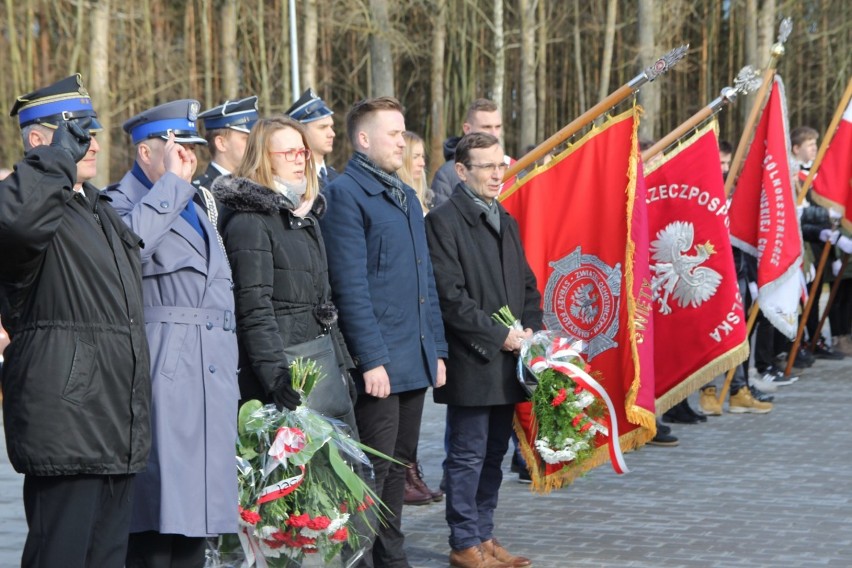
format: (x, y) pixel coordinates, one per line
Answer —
(189, 491)
(226, 129)
(76, 380)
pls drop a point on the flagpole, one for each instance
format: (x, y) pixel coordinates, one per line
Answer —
(774, 55)
(662, 65)
(826, 141)
(803, 320)
(823, 148)
(752, 317)
(834, 287)
(747, 80)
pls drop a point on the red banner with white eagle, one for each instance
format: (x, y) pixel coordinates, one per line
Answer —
(699, 323)
(832, 186)
(764, 222)
(584, 233)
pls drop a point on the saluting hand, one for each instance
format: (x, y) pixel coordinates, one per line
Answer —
(177, 159)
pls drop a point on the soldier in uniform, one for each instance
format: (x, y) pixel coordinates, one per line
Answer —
(226, 129)
(315, 115)
(189, 490)
(76, 386)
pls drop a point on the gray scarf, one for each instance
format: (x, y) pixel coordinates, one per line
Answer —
(492, 212)
(394, 185)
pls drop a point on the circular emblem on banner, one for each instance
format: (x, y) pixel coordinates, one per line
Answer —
(581, 299)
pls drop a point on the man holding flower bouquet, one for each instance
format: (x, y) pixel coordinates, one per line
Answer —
(480, 267)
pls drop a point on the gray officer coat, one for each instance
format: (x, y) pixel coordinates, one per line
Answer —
(190, 485)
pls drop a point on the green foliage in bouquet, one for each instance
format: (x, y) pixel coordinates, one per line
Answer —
(302, 487)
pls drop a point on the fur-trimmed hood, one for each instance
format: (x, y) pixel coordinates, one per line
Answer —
(245, 195)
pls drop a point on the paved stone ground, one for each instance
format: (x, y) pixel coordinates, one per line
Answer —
(740, 491)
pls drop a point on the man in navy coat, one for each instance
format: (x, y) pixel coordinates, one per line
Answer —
(384, 289)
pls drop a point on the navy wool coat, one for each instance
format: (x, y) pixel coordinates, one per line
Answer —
(382, 281)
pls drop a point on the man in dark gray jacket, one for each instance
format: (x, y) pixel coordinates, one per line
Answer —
(76, 379)
(480, 267)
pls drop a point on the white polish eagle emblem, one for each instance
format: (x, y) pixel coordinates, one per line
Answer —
(679, 275)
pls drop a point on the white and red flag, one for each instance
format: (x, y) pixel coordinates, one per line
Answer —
(763, 216)
(832, 186)
(699, 324)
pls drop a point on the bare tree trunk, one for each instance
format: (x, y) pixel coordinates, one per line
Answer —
(436, 82)
(541, 73)
(207, 53)
(381, 61)
(609, 40)
(497, 86)
(765, 31)
(98, 83)
(265, 96)
(229, 60)
(578, 58)
(74, 62)
(286, 83)
(310, 31)
(649, 95)
(528, 100)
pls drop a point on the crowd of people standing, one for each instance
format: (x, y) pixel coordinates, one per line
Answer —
(165, 299)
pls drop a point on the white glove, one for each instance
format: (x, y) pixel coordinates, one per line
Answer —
(834, 214)
(827, 235)
(835, 267)
(844, 243)
(810, 274)
(752, 289)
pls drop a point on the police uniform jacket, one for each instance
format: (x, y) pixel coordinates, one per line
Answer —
(190, 486)
(382, 281)
(76, 387)
(208, 177)
(478, 271)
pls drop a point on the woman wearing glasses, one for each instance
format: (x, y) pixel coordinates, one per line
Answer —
(269, 224)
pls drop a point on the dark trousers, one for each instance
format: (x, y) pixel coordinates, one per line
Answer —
(840, 314)
(77, 520)
(392, 426)
(479, 438)
(151, 549)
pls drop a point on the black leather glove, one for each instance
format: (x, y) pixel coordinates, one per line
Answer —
(72, 138)
(284, 395)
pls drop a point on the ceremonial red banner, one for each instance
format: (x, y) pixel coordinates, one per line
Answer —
(832, 186)
(699, 324)
(763, 217)
(576, 216)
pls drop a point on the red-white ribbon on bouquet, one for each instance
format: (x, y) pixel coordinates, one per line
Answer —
(282, 488)
(560, 354)
(288, 442)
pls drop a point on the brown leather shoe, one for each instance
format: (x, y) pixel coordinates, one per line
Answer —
(413, 494)
(493, 548)
(474, 557)
(417, 480)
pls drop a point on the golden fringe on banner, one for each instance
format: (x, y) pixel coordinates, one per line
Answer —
(635, 413)
(544, 484)
(702, 376)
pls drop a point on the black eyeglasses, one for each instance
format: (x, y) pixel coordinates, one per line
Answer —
(292, 154)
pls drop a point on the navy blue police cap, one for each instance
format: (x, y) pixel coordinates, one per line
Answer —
(237, 115)
(177, 117)
(64, 100)
(308, 108)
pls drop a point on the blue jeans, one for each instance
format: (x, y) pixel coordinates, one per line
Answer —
(478, 440)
